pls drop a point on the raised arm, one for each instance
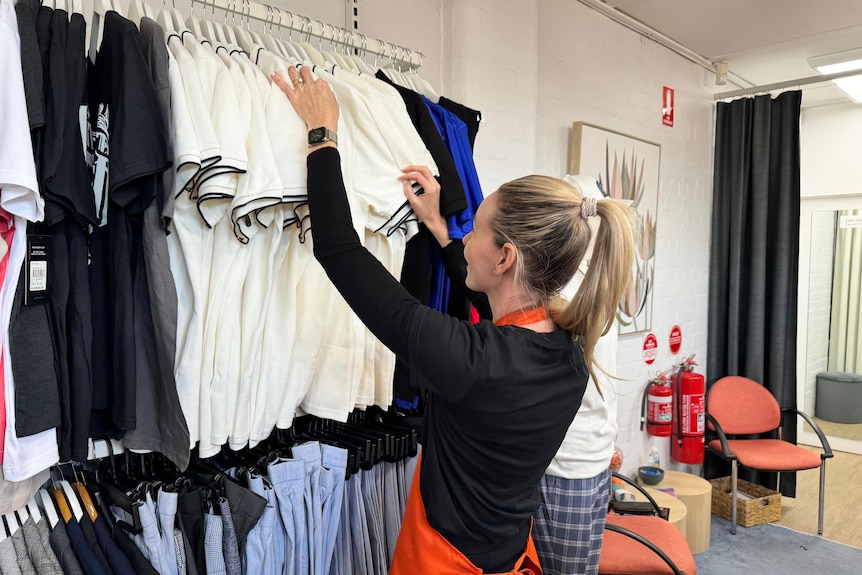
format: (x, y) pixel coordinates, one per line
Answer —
(426, 206)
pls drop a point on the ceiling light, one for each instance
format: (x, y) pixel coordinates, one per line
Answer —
(840, 63)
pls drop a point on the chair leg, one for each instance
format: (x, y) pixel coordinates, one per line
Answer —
(733, 473)
(822, 493)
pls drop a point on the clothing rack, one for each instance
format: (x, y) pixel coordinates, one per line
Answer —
(385, 54)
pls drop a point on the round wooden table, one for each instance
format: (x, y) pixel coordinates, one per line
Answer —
(677, 508)
(696, 493)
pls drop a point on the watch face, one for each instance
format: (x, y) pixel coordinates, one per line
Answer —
(317, 135)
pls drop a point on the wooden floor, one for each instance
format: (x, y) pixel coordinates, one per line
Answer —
(843, 509)
(847, 430)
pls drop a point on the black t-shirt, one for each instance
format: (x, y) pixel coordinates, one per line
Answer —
(500, 401)
(469, 116)
(125, 120)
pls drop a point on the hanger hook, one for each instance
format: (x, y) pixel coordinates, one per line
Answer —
(278, 10)
(290, 26)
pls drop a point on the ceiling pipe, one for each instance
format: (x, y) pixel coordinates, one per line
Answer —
(656, 36)
(646, 31)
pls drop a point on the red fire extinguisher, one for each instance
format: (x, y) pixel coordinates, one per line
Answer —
(656, 406)
(689, 413)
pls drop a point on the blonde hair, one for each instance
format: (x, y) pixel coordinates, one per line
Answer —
(541, 217)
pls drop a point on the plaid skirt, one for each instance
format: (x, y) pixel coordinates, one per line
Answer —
(570, 523)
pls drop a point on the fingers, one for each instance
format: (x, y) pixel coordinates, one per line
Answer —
(423, 176)
(285, 86)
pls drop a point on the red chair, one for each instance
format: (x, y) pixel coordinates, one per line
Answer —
(644, 544)
(738, 406)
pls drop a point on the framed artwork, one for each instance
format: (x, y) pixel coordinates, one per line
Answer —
(627, 168)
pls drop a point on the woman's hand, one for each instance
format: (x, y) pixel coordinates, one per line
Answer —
(426, 204)
(313, 99)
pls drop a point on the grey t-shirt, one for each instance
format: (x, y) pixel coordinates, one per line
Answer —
(168, 432)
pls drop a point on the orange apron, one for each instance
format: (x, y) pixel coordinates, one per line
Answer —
(421, 550)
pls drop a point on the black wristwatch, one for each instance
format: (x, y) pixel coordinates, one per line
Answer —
(321, 135)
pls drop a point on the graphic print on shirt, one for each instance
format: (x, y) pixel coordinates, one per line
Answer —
(97, 160)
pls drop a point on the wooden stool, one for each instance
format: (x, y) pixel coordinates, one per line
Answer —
(696, 493)
(677, 508)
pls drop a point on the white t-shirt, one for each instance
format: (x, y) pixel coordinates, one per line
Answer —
(24, 457)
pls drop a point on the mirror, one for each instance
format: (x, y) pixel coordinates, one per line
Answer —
(830, 320)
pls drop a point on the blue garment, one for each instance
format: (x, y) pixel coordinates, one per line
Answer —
(115, 556)
(261, 556)
(456, 138)
(332, 473)
(454, 133)
(360, 540)
(310, 454)
(288, 479)
(84, 554)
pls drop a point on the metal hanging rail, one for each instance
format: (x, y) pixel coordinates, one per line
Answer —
(245, 10)
(818, 79)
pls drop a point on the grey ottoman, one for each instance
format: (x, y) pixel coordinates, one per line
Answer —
(839, 397)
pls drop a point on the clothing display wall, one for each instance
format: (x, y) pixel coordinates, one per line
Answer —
(159, 288)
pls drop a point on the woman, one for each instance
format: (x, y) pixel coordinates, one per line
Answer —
(501, 394)
(569, 524)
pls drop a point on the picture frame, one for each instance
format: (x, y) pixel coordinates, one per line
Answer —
(627, 168)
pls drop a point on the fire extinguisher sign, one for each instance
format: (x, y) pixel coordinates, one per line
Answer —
(650, 348)
(675, 340)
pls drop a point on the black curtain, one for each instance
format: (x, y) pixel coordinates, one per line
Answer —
(754, 254)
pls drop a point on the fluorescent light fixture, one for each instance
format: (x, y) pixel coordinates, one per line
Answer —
(838, 63)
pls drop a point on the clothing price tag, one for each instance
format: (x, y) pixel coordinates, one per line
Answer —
(36, 268)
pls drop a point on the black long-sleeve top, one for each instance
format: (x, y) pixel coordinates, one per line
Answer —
(500, 398)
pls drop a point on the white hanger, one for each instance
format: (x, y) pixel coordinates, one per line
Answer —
(100, 8)
(11, 523)
(34, 510)
(228, 33)
(165, 19)
(117, 7)
(23, 515)
(72, 498)
(360, 59)
(313, 53)
(193, 23)
(136, 11)
(244, 39)
(48, 507)
(269, 41)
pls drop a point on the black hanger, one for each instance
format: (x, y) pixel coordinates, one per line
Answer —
(110, 489)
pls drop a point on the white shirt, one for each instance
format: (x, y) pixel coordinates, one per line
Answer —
(24, 457)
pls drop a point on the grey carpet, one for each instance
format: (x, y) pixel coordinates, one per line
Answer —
(773, 550)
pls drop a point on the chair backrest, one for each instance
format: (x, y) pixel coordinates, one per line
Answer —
(742, 406)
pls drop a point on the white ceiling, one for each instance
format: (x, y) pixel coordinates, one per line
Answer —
(763, 41)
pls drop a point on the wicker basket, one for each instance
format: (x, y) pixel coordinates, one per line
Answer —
(763, 507)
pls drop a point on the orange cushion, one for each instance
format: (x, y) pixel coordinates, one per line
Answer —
(622, 555)
(769, 454)
(742, 406)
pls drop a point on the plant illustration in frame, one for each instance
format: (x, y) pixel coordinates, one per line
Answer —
(627, 168)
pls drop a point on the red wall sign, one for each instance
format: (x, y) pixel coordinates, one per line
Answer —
(675, 340)
(667, 106)
(650, 348)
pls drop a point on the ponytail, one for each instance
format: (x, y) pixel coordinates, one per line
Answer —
(547, 220)
(590, 313)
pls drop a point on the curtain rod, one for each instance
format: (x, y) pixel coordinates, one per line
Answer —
(309, 27)
(820, 78)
